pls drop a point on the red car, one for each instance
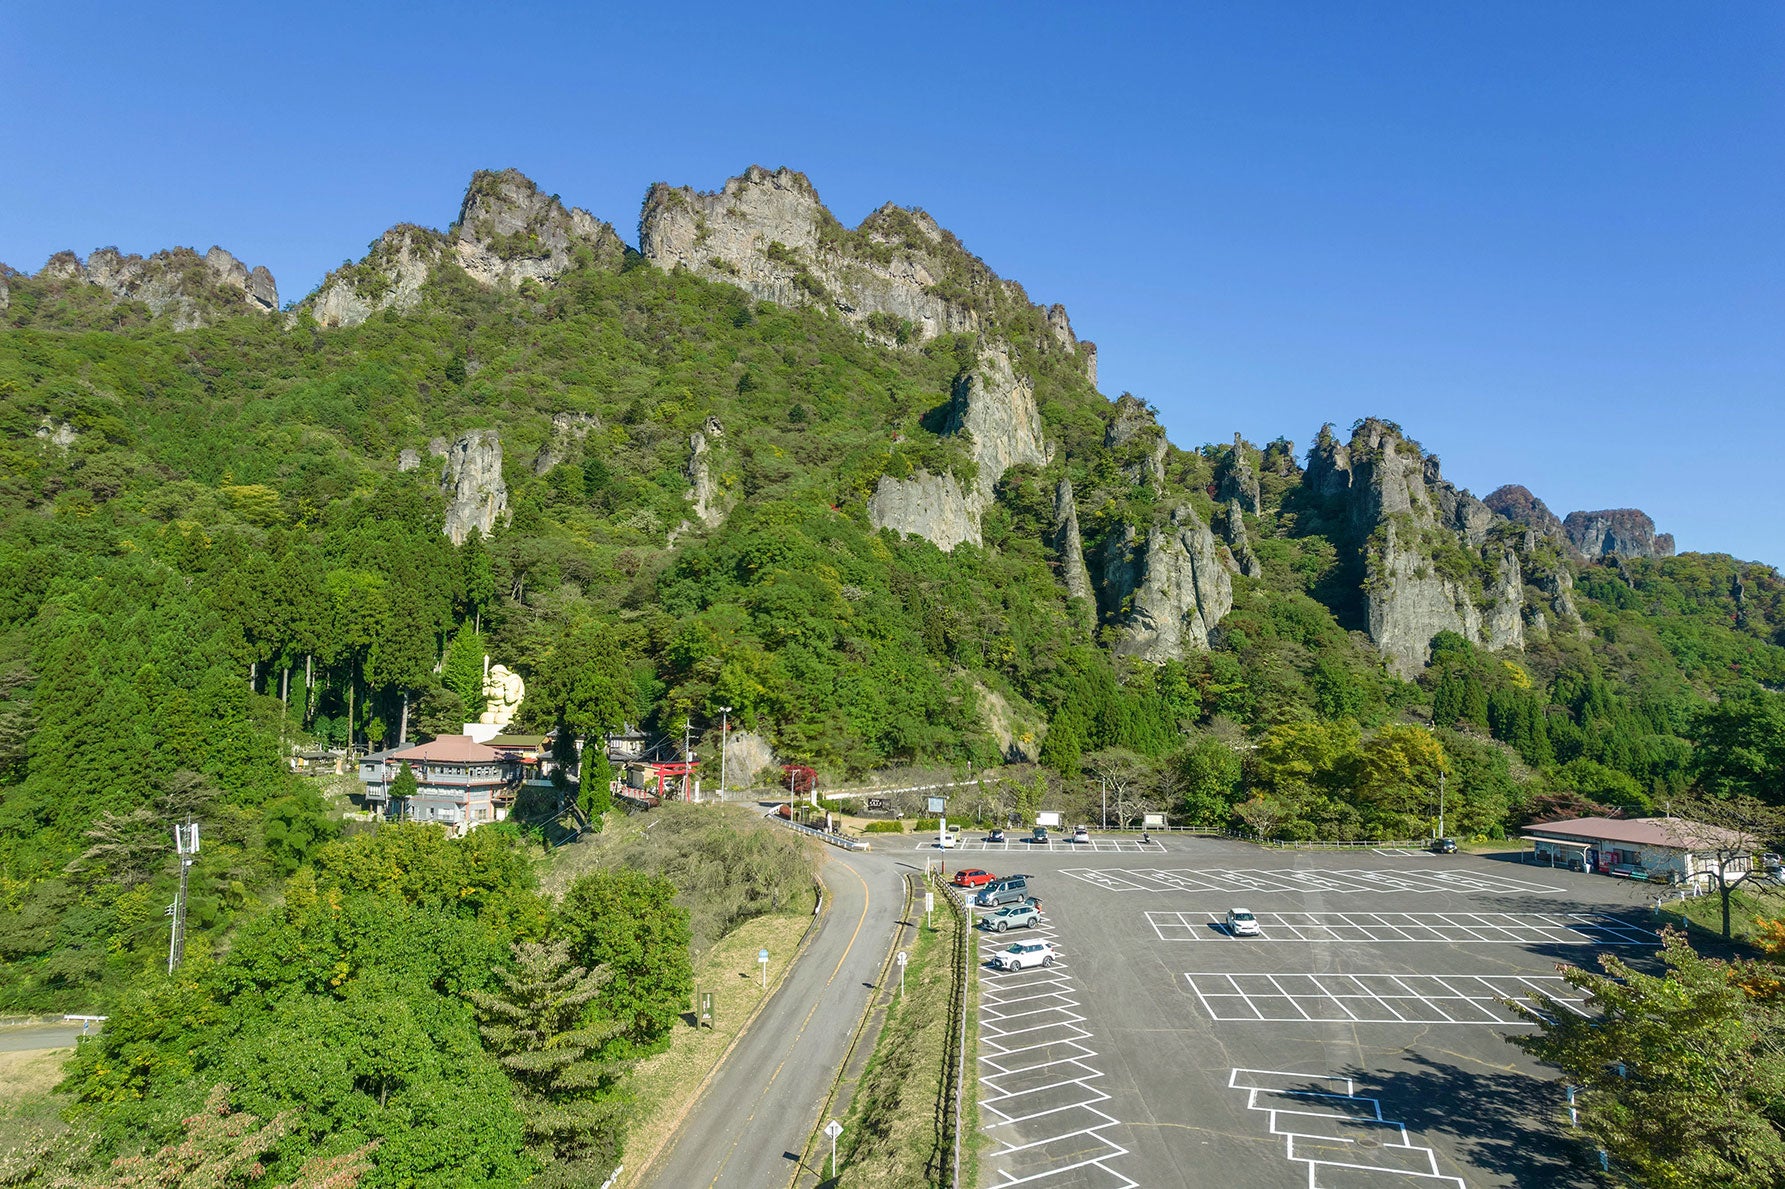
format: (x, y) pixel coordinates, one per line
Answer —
(972, 877)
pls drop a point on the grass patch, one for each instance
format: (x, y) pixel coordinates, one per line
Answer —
(666, 1084)
(894, 1136)
(26, 1079)
(1705, 913)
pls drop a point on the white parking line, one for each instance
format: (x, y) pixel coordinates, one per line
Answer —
(1038, 1099)
(1460, 928)
(1375, 998)
(1261, 880)
(1152, 846)
(1327, 1125)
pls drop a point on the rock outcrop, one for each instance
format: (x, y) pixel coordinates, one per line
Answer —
(1071, 545)
(1167, 595)
(1518, 505)
(50, 432)
(1137, 440)
(1430, 560)
(476, 496)
(931, 506)
(507, 232)
(995, 408)
(6, 275)
(186, 289)
(1233, 530)
(568, 432)
(898, 275)
(1624, 532)
(408, 460)
(703, 489)
(1237, 477)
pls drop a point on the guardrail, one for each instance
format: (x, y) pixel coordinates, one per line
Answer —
(1310, 844)
(954, 1062)
(837, 840)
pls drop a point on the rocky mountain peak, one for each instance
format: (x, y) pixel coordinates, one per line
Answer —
(898, 275)
(1623, 532)
(178, 284)
(507, 232)
(1517, 504)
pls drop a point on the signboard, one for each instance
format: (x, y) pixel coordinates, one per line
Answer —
(1153, 821)
(1048, 817)
(762, 956)
(877, 804)
(833, 1129)
(706, 1008)
(937, 804)
(929, 903)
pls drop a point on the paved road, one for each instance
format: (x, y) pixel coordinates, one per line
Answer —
(21, 1038)
(755, 1118)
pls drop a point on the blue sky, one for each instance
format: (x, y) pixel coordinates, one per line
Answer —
(1548, 239)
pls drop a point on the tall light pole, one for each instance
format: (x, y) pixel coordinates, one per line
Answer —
(186, 846)
(724, 738)
(1440, 804)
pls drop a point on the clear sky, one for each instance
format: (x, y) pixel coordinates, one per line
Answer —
(1548, 239)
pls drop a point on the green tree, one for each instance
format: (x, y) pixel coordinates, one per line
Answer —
(461, 671)
(538, 1025)
(1209, 773)
(1677, 1074)
(1739, 746)
(626, 924)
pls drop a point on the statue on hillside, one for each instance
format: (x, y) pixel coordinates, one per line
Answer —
(502, 691)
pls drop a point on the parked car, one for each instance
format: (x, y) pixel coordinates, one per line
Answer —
(949, 839)
(1241, 923)
(1630, 871)
(995, 836)
(1039, 835)
(1081, 835)
(1023, 955)
(972, 877)
(1026, 915)
(1010, 889)
(1444, 846)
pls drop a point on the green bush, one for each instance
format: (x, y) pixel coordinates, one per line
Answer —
(884, 828)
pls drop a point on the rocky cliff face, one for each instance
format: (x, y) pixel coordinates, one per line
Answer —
(995, 407)
(1625, 532)
(929, 506)
(507, 232)
(1167, 595)
(898, 275)
(1430, 559)
(179, 285)
(1071, 545)
(476, 496)
(1233, 530)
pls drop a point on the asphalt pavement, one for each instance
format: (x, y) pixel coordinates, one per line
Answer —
(753, 1121)
(18, 1038)
(1359, 1043)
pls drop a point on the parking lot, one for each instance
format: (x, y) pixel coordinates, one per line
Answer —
(1358, 1042)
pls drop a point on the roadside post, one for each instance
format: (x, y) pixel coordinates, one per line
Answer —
(833, 1129)
(902, 960)
(706, 1008)
(929, 906)
(762, 960)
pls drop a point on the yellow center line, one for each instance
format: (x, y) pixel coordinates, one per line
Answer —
(867, 897)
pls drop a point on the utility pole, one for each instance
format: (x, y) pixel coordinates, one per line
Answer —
(687, 758)
(1440, 804)
(186, 846)
(1104, 780)
(724, 738)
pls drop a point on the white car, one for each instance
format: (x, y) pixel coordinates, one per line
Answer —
(1023, 955)
(1241, 923)
(1081, 835)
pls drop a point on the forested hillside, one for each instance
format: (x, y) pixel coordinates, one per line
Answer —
(846, 482)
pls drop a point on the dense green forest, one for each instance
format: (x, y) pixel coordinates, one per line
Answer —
(209, 555)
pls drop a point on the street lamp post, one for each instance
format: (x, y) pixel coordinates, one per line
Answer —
(1440, 804)
(724, 737)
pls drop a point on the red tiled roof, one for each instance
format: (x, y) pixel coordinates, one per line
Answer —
(1676, 832)
(448, 749)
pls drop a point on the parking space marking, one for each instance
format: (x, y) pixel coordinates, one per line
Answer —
(1375, 998)
(1231, 881)
(1062, 845)
(1401, 852)
(1456, 928)
(1337, 1132)
(1038, 1095)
